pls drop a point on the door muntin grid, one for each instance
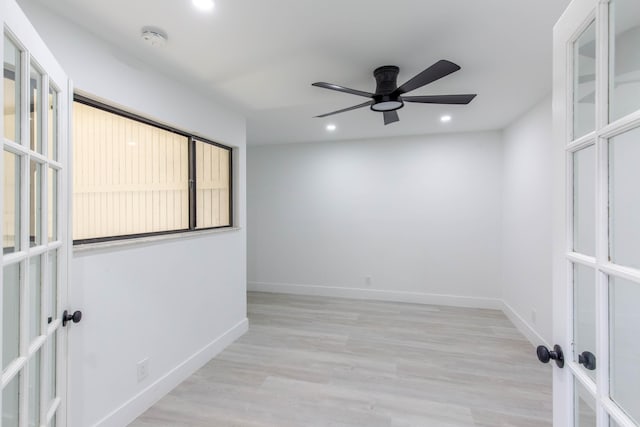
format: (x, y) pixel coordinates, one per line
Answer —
(31, 317)
(615, 266)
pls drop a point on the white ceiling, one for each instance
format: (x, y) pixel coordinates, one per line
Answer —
(262, 56)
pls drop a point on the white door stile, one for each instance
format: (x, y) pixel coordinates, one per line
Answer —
(571, 25)
(65, 225)
(562, 107)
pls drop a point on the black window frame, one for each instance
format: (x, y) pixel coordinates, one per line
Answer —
(192, 177)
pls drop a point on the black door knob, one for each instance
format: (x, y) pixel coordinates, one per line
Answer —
(76, 317)
(587, 359)
(544, 355)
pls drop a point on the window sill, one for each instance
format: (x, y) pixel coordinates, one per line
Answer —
(87, 248)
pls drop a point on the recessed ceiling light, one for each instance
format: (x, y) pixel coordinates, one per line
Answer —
(445, 119)
(203, 5)
(331, 127)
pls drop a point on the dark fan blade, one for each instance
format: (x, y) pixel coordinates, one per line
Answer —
(342, 89)
(390, 117)
(364, 104)
(440, 99)
(437, 71)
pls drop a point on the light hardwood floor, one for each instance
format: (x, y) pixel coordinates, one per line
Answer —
(315, 361)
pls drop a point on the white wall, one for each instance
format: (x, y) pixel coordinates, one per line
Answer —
(467, 215)
(176, 302)
(526, 233)
(421, 216)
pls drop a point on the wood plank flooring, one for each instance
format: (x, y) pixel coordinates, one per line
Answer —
(315, 361)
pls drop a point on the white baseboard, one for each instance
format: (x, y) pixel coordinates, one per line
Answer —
(525, 328)
(138, 404)
(377, 295)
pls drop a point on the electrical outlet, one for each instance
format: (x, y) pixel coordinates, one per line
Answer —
(143, 369)
(533, 316)
(367, 280)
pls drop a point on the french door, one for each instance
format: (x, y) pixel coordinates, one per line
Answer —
(596, 107)
(33, 201)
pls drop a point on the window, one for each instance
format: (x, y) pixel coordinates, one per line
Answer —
(133, 177)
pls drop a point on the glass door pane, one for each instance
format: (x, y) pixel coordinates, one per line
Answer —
(624, 353)
(35, 109)
(11, 403)
(584, 312)
(624, 199)
(584, 83)
(53, 124)
(34, 390)
(10, 314)
(585, 407)
(11, 214)
(624, 61)
(53, 205)
(35, 203)
(35, 296)
(50, 384)
(52, 305)
(584, 201)
(12, 110)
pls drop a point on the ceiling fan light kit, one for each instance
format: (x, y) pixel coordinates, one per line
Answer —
(387, 105)
(388, 97)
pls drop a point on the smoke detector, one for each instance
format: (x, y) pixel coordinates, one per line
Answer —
(154, 36)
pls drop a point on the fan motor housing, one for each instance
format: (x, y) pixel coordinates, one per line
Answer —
(386, 83)
(386, 79)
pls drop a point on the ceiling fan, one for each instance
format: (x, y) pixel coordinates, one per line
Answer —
(389, 97)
